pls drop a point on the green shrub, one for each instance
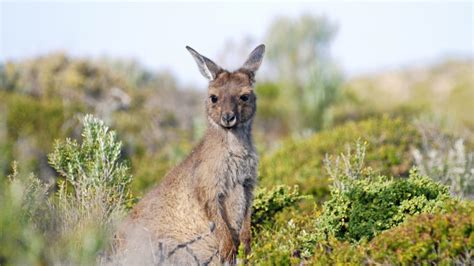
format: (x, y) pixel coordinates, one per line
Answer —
(363, 203)
(300, 162)
(377, 203)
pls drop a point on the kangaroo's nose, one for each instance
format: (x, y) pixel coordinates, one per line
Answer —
(228, 119)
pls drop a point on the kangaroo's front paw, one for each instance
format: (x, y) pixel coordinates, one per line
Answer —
(228, 252)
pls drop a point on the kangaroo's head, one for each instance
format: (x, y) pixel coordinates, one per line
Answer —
(231, 100)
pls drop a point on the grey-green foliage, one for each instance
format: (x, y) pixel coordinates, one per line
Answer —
(363, 203)
(452, 165)
(298, 55)
(99, 180)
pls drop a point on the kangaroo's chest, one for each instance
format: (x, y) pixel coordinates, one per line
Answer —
(239, 169)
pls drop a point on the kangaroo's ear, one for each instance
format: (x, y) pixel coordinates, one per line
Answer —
(255, 59)
(208, 69)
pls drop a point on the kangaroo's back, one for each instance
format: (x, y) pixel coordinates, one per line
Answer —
(200, 212)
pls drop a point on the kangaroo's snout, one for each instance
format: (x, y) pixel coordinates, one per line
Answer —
(228, 120)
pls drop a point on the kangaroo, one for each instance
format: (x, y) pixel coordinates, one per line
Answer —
(202, 207)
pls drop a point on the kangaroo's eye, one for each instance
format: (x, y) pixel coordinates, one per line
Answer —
(244, 97)
(213, 98)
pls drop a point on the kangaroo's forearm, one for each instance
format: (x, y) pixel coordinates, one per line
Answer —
(227, 247)
(245, 235)
(216, 213)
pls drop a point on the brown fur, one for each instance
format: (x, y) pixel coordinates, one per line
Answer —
(213, 186)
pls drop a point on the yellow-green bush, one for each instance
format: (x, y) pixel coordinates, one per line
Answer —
(287, 240)
(444, 238)
(300, 162)
(28, 116)
(30, 128)
(430, 238)
(267, 203)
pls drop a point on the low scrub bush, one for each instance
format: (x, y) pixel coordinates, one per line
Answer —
(363, 203)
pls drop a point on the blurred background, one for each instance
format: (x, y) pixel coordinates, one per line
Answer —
(365, 118)
(326, 63)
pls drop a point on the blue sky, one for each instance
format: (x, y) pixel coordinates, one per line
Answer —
(371, 37)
